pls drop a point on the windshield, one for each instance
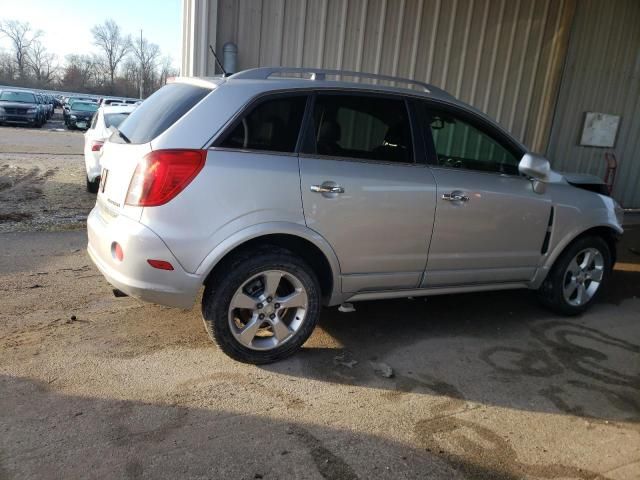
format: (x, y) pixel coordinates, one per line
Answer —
(115, 119)
(84, 107)
(22, 97)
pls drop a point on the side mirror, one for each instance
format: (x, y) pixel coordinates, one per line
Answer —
(537, 168)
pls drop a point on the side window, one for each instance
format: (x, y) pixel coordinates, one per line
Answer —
(272, 125)
(363, 127)
(461, 144)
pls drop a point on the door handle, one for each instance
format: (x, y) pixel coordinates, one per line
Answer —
(324, 188)
(455, 197)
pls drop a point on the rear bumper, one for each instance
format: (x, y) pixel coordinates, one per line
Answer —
(73, 122)
(134, 276)
(92, 164)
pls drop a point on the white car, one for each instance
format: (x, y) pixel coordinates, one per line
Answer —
(98, 132)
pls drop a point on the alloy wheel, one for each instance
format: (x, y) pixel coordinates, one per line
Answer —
(583, 277)
(268, 309)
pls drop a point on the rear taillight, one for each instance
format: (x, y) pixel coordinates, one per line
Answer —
(162, 174)
(96, 146)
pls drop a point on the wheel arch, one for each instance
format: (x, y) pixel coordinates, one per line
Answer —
(300, 240)
(608, 233)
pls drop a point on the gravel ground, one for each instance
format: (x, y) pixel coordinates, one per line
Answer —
(40, 171)
(484, 386)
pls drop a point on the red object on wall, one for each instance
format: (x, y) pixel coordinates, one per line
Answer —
(612, 166)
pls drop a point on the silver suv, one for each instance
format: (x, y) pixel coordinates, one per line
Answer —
(283, 190)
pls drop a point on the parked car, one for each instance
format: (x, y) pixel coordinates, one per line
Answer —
(280, 195)
(99, 131)
(111, 100)
(67, 106)
(47, 105)
(44, 108)
(80, 114)
(20, 107)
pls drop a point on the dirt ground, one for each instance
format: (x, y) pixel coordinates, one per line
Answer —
(40, 171)
(484, 386)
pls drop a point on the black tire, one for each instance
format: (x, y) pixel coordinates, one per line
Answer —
(221, 288)
(551, 292)
(92, 187)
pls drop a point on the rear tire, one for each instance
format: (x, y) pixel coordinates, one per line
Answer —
(577, 277)
(245, 314)
(92, 187)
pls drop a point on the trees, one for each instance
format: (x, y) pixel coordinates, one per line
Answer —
(21, 37)
(147, 55)
(41, 63)
(114, 46)
(118, 66)
(78, 72)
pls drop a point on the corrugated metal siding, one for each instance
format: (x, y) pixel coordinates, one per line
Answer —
(602, 74)
(502, 56)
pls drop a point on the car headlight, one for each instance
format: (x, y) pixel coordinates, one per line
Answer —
(73, 117)
(32, 110)
(619, 212)
(1, 109)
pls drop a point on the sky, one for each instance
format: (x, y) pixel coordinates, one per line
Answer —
(67, 23)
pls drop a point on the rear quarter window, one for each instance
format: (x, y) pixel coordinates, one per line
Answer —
(161, 110)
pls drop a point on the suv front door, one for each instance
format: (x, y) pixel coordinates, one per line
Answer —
(364, 192)
(490, 224)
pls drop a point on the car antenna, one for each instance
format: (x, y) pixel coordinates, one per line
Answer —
(224, 72)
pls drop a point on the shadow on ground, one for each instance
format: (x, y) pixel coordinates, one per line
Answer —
(498, 348)
(95, 437)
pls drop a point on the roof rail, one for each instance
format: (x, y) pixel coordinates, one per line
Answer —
(263, 73)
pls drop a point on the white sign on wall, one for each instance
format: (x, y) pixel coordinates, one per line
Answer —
(599, 130)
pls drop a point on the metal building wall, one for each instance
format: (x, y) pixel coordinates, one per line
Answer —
(503, 56)
(602, 74)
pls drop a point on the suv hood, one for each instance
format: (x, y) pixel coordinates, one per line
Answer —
(582, 178)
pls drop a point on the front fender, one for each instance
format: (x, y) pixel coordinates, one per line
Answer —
(273, 228)
(571, 221)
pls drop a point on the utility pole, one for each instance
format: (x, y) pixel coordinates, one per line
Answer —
(141, 64)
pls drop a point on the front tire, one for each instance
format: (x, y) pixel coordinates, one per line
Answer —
(262, 305)
(577, 277)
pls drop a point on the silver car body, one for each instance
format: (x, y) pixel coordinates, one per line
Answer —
(408, 240)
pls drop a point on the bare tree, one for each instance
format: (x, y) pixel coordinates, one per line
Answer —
(147, 55)
(41, 63)
(78, 72)
(167, 70)
(7, 68)
(21, 37)
(113, 43)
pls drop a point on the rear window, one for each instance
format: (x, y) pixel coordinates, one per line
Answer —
(160, 111)
(114, 119)
(84, 107)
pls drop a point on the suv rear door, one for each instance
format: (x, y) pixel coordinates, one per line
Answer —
(364, 191)
(490, 225)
